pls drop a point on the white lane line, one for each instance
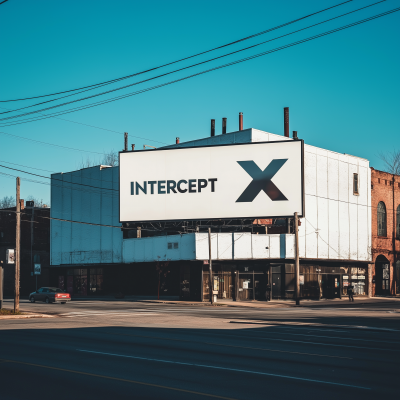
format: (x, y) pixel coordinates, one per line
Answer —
(317, 343)
(111, 315)
(227, 369)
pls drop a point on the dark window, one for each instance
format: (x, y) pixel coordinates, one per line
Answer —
(379, 180)
(36, 258)
(175, 245)
(381, 219)
(169, 246)
(355, 183)
(398, 224)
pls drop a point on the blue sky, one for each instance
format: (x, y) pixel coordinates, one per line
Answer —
(342, 89)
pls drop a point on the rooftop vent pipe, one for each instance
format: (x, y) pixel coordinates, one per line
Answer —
(240, 121)
(295, 135)
(126, 141)
(133, 147)
(213, 127)
(177, 140)
(223, 126)
(286, 121)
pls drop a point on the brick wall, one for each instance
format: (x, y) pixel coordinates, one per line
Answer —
(386, 188)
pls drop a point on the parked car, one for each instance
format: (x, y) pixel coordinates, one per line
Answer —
(50, 295)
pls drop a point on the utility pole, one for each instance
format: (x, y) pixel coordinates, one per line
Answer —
(17, 247)
(210, 267)
(297, 261)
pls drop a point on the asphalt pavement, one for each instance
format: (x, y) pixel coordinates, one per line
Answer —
(143, 350)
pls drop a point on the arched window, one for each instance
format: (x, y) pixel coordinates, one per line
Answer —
(381, 219)
(398, 222)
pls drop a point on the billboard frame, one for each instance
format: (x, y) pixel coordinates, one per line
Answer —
(214, 219)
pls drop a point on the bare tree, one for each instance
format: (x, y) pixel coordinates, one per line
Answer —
(7, 202)
(87, 163)
(110, 158)
(391, 162)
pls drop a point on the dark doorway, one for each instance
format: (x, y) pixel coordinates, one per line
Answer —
(382, 276)
(330, 285)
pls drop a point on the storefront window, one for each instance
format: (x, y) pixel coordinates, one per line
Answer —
(77, 281)
(96, 280)
(356, 277)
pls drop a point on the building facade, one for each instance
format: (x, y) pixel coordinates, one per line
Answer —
(96, 254)
(35, 247)
(385, 205)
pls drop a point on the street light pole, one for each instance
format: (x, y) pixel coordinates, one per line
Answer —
(210, 267)
(297, 260)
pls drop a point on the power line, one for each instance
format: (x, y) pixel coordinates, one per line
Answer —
(92, 126)
(49, 144)
(61, 180)
(171, 72)
(212, 69)
(177, 61)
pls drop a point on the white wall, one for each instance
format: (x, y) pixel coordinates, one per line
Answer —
(194, 246)
(75, 197)
(337, 223)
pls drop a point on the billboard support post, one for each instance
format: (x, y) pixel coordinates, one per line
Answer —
(297, 261)
(210, 268)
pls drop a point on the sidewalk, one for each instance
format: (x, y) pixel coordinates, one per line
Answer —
(340, 303)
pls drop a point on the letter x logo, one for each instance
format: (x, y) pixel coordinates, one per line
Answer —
(261, 181)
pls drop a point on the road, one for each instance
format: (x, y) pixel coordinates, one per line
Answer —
(125, 350)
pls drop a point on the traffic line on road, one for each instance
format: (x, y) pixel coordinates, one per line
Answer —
(228, 369)
(119, 379)
(227, 345)
(317, 343)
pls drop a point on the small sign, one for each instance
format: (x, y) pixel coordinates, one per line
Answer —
(10, 256)
(361, 276)
(346, 283)
(37, 269)
(206, 262)
(245, 285)
(301, 279)
(345, 277)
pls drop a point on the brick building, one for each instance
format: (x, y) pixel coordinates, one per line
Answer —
(385, 203)
(35, 247)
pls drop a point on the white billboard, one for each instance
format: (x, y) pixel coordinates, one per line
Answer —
(253, 180)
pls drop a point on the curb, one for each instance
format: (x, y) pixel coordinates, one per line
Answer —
(358, 327)
(24, 316)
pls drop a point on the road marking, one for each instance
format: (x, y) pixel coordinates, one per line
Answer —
(108, 314)
(321, 344)
(119, 379)
(227, 369)
(226, 345)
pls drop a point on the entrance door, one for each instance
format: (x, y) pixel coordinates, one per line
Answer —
(382, 272)
(276, 285)
(330, 285)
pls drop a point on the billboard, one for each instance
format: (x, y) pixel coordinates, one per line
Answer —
(252, 180)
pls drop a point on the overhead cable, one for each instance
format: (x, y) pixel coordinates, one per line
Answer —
(213, 69)
(171, 72)
(182, 59)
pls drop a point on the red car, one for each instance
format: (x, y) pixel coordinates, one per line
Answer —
(50, 295)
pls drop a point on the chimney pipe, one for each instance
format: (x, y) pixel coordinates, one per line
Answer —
(177, 140)
(223, 126)
(295, 135)
(126, 141)
(213, 127)
(240, 121)
(286, 121)
(133, 147)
